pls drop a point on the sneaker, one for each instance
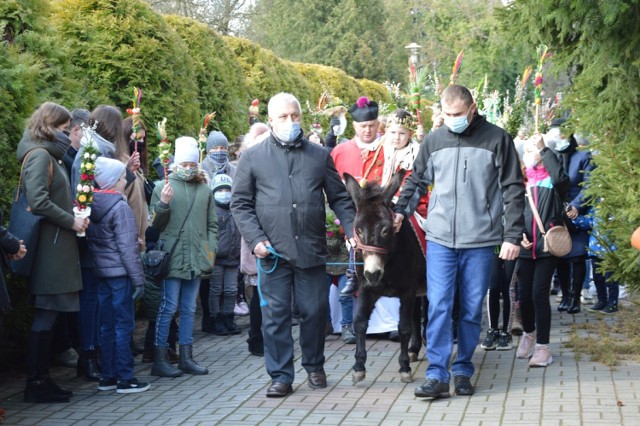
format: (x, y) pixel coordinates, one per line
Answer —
(132, 386)
(586, 295)
(463, 385)
(504, 342)
(347, 335)
(432, 388)
(107, 384)
(610, 309)
(489, 342)
(598, 306)
(68, 358)
(559, 296)
(526, 346)
(541, 356)
(241, 309)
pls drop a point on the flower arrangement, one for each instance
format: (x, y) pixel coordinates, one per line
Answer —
(135, 115)
(202, 137)
(84, 190)
(334, 228)
(164, 148)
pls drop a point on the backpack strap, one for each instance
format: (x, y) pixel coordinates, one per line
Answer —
(24, 161)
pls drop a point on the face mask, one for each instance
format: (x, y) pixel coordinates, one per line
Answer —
(218, 157)
(529, 160)
(457, 124)
(288, 131)
(562, 144)
(132, 147)
(222, 197)
(185, 174)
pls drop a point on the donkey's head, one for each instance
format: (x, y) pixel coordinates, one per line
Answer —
(373, 223)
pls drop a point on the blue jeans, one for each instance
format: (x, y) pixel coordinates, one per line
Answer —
(346, 301)
(116, 327)
(472, 270)
(177, 291)
(223, 290)
(88, 317)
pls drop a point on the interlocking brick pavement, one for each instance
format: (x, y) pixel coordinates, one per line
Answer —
(507, 391)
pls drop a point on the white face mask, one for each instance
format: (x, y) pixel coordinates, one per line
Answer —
(222, 197)
(562, 144)
(529, 160)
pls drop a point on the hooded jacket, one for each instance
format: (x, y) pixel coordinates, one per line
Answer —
(56, 265)
(477, 198)
(548, 186)
(228, 238)
(112, 238)
(279, 195)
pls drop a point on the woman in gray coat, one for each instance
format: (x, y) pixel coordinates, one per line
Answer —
(55, 280)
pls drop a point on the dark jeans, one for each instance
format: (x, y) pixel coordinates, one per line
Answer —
(223, 290)
(607, 288)
(501, 273)
(89, 316)
(311, 292)
(571, 273)
(116, 327)
(534, 276)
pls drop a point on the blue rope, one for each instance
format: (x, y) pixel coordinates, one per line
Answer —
(273, 254)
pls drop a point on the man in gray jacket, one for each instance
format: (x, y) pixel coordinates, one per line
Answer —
(278, 200)
(475, 209)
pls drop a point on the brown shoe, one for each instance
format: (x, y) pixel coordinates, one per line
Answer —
(279, 390)
(317, 380)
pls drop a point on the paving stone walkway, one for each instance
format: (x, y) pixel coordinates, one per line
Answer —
(569, 392)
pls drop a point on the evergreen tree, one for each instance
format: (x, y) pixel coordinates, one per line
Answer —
(600, 41)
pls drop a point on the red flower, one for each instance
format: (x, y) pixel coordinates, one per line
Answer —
(91, 177)
(84, 176)
(166, 160)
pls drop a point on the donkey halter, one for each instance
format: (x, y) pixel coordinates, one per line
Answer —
(373, 249)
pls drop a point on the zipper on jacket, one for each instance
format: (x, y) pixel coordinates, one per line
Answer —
(455, 193)
(464, 176)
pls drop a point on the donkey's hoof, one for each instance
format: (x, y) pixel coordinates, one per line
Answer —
(406, 377)
(358, 376)
(413, 357)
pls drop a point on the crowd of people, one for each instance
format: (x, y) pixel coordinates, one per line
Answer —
(257, 237)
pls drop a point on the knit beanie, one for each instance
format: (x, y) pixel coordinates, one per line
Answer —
(215, 139)
(186, 150)
(221, 181)
(108, 172)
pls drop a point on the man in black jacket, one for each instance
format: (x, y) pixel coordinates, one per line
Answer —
(475, 209)
(278, 200)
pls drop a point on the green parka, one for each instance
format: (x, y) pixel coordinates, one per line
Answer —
(56, 267)
(198, 243)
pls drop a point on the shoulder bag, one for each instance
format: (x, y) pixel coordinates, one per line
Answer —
(157, 263)
(25, 225)
(557, 240)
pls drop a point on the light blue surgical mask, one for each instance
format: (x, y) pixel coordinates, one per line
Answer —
(457, 124)
(184, 173)
(222, 197)
(288, 131)
(562, 145)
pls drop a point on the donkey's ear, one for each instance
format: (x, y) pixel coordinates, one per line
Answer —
(353, 188)
(393, 186)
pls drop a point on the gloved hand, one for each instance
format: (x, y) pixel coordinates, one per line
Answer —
(138, 292)
(333, 124)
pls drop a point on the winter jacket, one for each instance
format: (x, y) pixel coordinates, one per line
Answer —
(599, 244)
(209, 166)
(56, 265)
(228, 238)
(548, 184)
(112, 238)
(197, 244)
(278, 195)
(478, 196)
(138, 203)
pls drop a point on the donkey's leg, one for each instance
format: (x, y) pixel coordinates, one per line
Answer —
(366, 302)
(415, 344)
(407, 302)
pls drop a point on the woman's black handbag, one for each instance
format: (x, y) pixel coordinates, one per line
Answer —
(149, 186)
(157, 263)
(25, 226)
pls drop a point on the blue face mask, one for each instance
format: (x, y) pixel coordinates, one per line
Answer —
(222, 197)
(218, 157)
(288, 131)
(562, 144)
(457, 124)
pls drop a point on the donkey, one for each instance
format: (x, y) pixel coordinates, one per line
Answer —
(393, 266)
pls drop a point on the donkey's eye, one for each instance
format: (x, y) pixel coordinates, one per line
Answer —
(384, 231)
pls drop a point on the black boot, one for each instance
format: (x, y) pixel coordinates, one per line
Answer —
(88, 366)
(187, 364)
(256, 344)
(229, 324)
(149, 339)
(565, 302)
(40, 386)
(161, 366)
(219, 328)
(575, 303)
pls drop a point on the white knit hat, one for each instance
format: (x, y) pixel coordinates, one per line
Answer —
(108, 172)
(186, 150)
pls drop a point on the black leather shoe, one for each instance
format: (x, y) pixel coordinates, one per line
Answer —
(463, 385)
(433, 388)
(279, 390)
(317, 380)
